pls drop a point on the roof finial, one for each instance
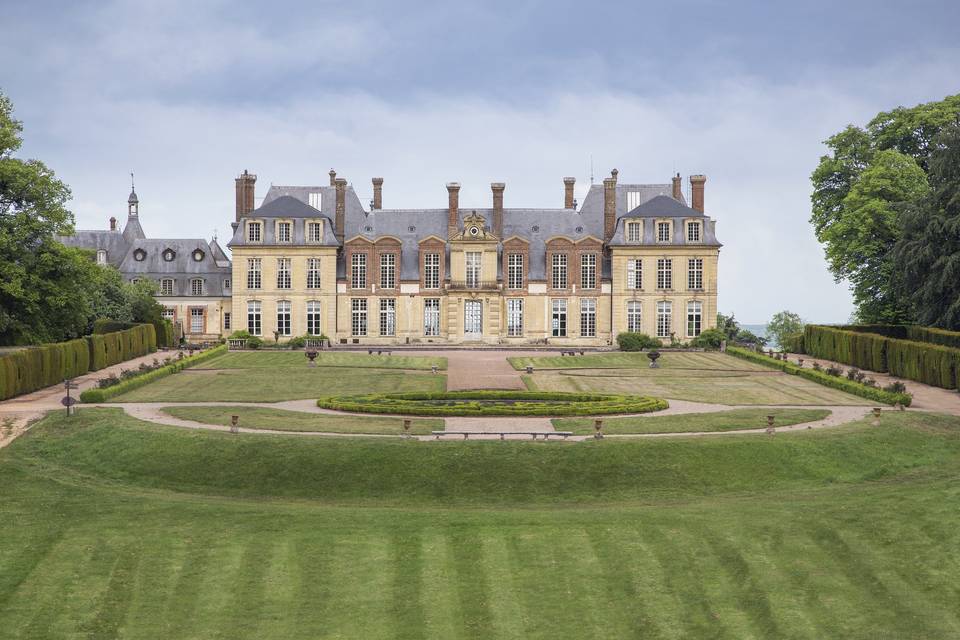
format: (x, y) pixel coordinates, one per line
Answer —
(131, 182)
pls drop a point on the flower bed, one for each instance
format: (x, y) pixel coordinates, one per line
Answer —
(494, 403)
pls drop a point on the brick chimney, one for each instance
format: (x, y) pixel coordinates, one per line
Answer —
(245, 184)
(333, 178)
(453, 208)
(677, 193)
(341, 210)
(609, 206)
(113, 223)
(696, 187)
(568, 202)
(377, 193)
(497, 188)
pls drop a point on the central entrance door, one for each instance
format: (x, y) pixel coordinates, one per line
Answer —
(472, 319)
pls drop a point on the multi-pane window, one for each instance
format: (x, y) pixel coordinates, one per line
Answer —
(226, 283)
(313, 273)
(559, 271)
(431, 317)
(253, 317)
(634, 273)
(588, 318)
(196, 287)
(196, 320)
(283, 231)
(473, 269)
(168, 314)
(693, 232)
(663, 232)
(283, 273)
(388, 270)
(253, 232)
(515, 271)
(588, 271)
(634, 232)
(559, 320)
(313, 318)
(358, 316)
(314, 232)
(283, 317)
(253, 273)
(664, 273)
(634, 316)
(514, 317)
(695, 274)
(388, 316)
(664, 319)
(166, 287)
(694, 318)
(358, 273)
(101, 257)
(431, 271)
(226, 320)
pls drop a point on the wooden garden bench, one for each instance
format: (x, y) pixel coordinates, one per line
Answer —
(533, 434)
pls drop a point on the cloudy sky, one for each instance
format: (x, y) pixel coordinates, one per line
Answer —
(187, 94)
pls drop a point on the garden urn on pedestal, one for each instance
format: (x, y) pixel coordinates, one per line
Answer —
(311, 356)
(406, 427)
(876, 416)
(598, 428)
(234, 424)
(653, 355)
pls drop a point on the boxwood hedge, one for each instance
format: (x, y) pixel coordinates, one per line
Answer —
(33, 368)
(110, 348)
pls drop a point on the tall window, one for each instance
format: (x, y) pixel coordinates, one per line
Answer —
(388, 270)
(634, 273)
(663, 232)
(514, 317)
(253, 232)
(559, 271)
(283, 317)
(166, 287)
(358, 316)
(515, 271)
(253, 273)
(168, 314)
(559, 321)
(588, 317)
(431, 317)
(226, 320)
(473, 269)
(694, 318)
(588, 271)
(664, 319)
(101, 257)
(695, 274)
(313, 318)
(358, 272)
(634, 316)
(388, 316)
(634, 232)
(431, 271)
(314, 232)
(283, 273)
(196, 320)
(693, 232)
(664, 273)
(196, 287)
(283, 231)
(253, 317)
(313, 273)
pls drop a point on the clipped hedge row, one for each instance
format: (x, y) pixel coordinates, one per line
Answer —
(472, 403)
(102, 395)
(863, 350)
(34, 368)
(110, 348)
(935, 336)
(834, 382)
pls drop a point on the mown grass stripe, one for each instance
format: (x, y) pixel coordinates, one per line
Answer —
(312, 601)
(163, 557)
(407, 608)
(361, 576)
(439, 596)
(114, 602)
(508, 614)
(472, 584)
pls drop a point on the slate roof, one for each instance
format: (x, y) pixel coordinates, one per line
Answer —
(112, 242)
(660, 208)
(286, 207)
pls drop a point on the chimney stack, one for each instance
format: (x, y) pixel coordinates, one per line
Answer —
(113, 223)
(333, 178)
(568, 202)
(341, 210)
(245, 186)
(696, 187)
(609, 206)
(453, 208)
(377, 193)
(497, 188)
(677, 193)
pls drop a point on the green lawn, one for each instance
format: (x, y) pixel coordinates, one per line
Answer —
(843, 533)
(638, 360)
(720, 421)
(282, 420)
(296, 359)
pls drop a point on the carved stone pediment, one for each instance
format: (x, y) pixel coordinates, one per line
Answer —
(474, 230)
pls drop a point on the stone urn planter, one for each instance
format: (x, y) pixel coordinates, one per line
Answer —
(311, 356)
(654, 355)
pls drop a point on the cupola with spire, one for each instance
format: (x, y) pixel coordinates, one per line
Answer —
(132, 230)
(132, 202)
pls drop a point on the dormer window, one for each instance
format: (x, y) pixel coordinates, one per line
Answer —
(196, 287)
(101, 257)
(314, 232)
(198, 255)
(253, 232)
(166, 287)
(634, 232)
(663, 231)
(139, 255)
(693, 232)
(169, 255)
(284, 231)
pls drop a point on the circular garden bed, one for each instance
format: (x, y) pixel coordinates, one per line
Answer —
(494, 403)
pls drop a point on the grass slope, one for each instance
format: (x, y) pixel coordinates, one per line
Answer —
(719, 421)
(282, 420)
(851, 533)
(270, 359)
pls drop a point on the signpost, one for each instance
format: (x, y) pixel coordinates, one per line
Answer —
(69, 401)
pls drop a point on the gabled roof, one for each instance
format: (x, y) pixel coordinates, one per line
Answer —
(663, 207)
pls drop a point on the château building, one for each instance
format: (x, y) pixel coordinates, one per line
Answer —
(632, 257)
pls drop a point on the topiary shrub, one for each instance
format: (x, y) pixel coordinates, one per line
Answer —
(709, 339)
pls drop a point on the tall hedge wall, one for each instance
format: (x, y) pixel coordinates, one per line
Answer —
(935, 336)
(110, 348)
(34, 368)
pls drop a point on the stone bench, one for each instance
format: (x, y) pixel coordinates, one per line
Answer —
(380, 352)
(571, 353)
(533, 434)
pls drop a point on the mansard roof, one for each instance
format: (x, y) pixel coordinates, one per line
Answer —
(285, 207)
(663, 207)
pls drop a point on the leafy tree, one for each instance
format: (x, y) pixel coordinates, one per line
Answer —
(784, 324)
(928, 252)
(728, 325)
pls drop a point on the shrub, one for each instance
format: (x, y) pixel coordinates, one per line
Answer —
(140, 379)
(852, 373)
(793, 343)
(633, 341)
(896, 387)
(709, 339)
(299, 342)
(817, 367)
(253, 342)
(834, 371)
